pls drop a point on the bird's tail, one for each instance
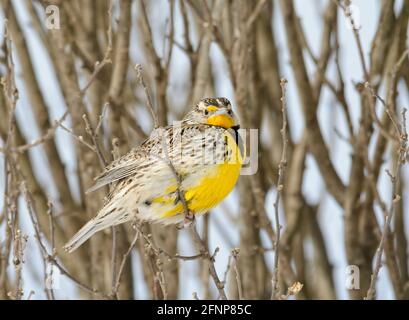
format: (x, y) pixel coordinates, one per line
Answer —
(83, 235)
(109, 216)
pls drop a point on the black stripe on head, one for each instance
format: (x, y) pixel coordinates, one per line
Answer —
(223, 102)
(220, 101)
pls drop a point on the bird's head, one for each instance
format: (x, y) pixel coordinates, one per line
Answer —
(214, 112)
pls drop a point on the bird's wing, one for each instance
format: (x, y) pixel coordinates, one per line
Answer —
(120, 170)
(128, 164)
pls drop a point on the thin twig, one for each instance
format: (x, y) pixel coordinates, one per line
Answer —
(235, 254)
(80, 139)
(94, 137)
(281, 170)
(255, 14)
(203, 250)
(98, 67)
(48, 135)
(122, 265)
(107, 56)
(138, 69)
(389, 215)
(49, 276)
(355, 29)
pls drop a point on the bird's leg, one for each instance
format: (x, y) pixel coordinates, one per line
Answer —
(189, 216)
(189, 219)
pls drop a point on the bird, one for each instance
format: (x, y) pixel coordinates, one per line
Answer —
(199, 158)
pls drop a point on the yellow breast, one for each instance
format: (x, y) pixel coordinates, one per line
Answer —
(213, 187)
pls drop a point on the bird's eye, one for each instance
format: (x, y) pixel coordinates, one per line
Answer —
(229, 112)
(206, 112)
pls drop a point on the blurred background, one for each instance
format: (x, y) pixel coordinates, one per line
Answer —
(70, 92)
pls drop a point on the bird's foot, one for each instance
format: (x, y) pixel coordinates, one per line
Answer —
(189, 220)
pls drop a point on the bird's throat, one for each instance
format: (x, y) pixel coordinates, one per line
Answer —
(221, 120)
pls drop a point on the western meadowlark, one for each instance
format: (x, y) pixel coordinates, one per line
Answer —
(201, 156)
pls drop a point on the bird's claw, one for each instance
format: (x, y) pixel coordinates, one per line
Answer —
(189, 220)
